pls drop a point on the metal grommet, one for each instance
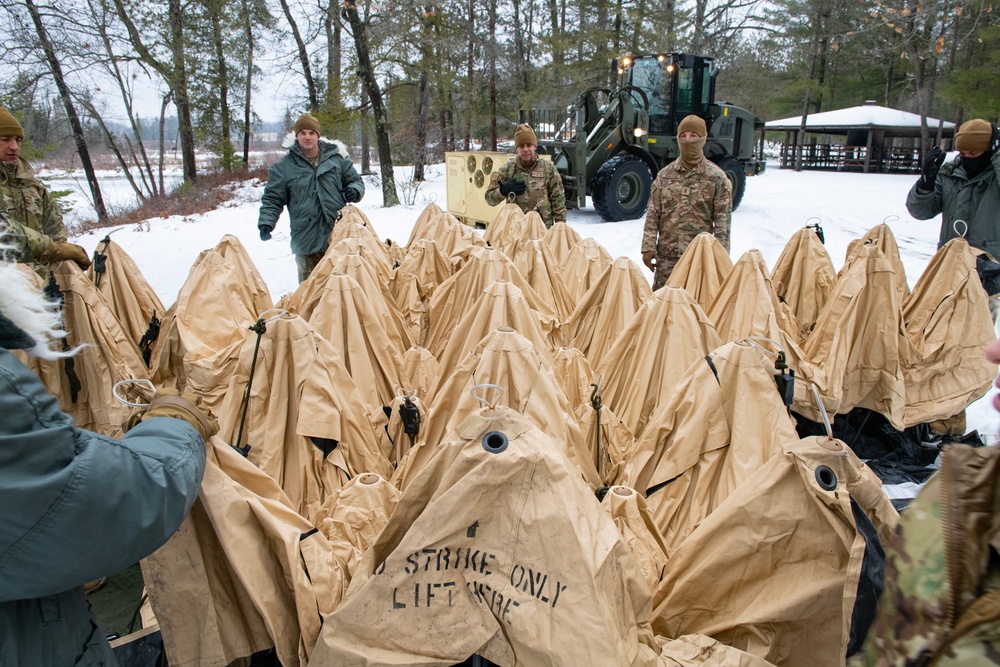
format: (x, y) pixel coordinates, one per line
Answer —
(826, 477)
(495, 442)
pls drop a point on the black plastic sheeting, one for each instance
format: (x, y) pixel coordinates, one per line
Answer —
(894, 456)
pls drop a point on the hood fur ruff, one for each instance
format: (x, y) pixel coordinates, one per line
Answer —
(289, 141)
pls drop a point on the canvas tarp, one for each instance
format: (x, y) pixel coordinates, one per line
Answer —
(948, 323)
(540, 268)
(109, 355)
(419, 372)
(702, 268)
(453, 297)
(203, 331)
(574, 374)
(432, 222)
(804, 277)
(371, 351)
(602, 313)
(427, 262)
(243, 573)
(507, 228)
(666, 335)
(527, 384)
(747, 304)
(290, 365)
(353, 264)
(560, 239)
(587, 262)
(881, 236)
(774, 570)
(124, 287)
(497, 547)
(627, 509)
(707, 437)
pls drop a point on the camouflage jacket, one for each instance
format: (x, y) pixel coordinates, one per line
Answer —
(684, 203)
(28, 245)
(27, 201)
(941, 603)
(544, 191)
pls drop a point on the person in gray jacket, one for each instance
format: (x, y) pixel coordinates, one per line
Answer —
(965, 190)
(314, 180)
(75, 505)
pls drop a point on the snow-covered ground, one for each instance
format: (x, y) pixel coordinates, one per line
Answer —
(777, 203)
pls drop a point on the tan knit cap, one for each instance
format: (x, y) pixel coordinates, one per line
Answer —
(974, 136)
(306, 122)
(9, 127)
(524, 136)
(692, 124)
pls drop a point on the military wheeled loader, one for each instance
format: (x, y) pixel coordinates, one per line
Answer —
(610, 143)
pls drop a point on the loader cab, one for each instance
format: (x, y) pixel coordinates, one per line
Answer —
(674, 84)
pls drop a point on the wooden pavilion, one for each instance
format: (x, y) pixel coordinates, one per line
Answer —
(868, 138)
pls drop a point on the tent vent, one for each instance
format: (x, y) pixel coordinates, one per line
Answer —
(494, 442)
(826, 478)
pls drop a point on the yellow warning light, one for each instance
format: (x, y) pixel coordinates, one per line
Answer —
(610, 145)
(621, 71)
(725, 111)
(670, 68)
(661, 57)
(626, 61)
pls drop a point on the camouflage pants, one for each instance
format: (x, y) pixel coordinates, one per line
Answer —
(664, 266)
(306, 264)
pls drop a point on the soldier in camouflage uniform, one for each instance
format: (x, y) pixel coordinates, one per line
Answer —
(689, 196)
(941, 602)
(29, 204)
(535, 183)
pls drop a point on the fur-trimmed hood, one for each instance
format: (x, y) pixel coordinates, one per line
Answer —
(289, 141)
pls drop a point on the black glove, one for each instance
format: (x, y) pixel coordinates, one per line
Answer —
(513, 185)
(995, 139)
(265, 233)
(352, 196)
(929, 169)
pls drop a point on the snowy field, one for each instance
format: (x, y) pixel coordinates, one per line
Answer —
(777, 203)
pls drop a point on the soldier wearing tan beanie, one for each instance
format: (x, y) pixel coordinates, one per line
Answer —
(531, 183)
(28, 203)
(966, 188)
(689, 196)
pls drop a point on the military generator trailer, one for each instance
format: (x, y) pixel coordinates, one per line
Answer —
(610, 143)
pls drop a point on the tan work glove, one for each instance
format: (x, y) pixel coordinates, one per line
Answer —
(60, 251)
(167, 403)
(648, 258)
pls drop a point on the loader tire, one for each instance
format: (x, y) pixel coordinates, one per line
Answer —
(737, 176)
(620, 190)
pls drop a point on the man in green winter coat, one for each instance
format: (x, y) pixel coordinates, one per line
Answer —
(966, 189)
(535, 183)
(314, 180)
(26, 201)
(75, 505)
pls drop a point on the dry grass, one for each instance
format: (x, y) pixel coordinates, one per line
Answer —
(207, 193)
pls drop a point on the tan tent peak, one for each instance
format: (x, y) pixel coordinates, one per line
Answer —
(351, 213)
(506, 227)
(882, 236)
(803, 278)
(574, 374)
(702, 268)
(427, 262)
(747, 304)
(542, 270)
(560, 239)
(433, 222)
(648, 359)
(602, 312)
(587, 262)
(628, 510)
(419, 372)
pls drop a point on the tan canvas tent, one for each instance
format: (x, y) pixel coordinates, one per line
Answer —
(523, 380)
(574, 374)
(804, 277)
(426, 261)
(202, 332)
(540, 268)
(948, 323)
(628, 510)
(774, 570)
(666, 335)
(706, 438)
(560, 239)
(702, 268)
(606, 308)
(453, 297)
(83, 383)
(243, 573)
(369, 348)
(283, 414)
(124, 287)
(881, 236)
(747, 304)
(497, 547)
(379, 295)
(431, 222)
(419, 372)
(506, 228)
(587, 262)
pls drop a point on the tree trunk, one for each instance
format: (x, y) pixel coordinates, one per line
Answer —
(366, 147)
(74, 120)
(470, 89)
(225, 140)
(114, 149)
(185, 126)
(333, 56)
(248, 91)
(303, 57)
(389, 196)
(492, 57)
(423, 101)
